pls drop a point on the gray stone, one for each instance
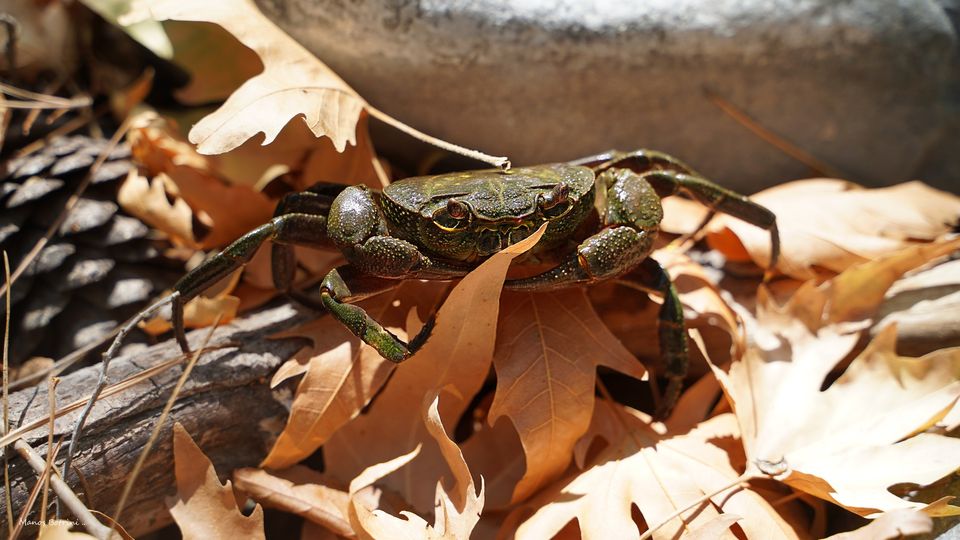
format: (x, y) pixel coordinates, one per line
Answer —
(869, 87)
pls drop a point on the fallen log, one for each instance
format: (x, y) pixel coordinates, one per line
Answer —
(226, 405)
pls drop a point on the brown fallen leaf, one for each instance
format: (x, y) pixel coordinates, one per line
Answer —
(342, 373)
(456, 511)
(232, 209)
(293, 83)
(458, 354)
(890, 526)
(203, 507)
(157, 203)
(849, 443)
(496, 454)
(834, 224)
(301, 491)
(548, 349)
(662, 474)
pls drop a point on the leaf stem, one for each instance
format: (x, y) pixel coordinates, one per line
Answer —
(745, 477)
(497, 161)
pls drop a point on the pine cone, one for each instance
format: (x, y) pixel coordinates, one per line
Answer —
(100, 268)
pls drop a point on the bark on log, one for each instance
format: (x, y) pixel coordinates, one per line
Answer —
(226, 406)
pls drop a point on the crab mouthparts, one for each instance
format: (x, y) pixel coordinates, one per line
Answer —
(493, 240)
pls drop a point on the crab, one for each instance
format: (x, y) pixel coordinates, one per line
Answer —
(602, 216)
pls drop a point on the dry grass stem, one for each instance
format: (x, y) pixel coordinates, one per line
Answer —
(131, 480)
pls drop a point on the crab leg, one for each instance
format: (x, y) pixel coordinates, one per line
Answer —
(348, 284)
(299, 220)
(671, 329)
(719, 199)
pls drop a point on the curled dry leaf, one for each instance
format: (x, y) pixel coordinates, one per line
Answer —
(849, 443)
(204, 508)
(301, 491)
(293, 82)
(232, 209)
(548, 350)
(659, 473)
(342, 373)
(835, 224)
(456, 511)
(919, 304)
(157, 203)
(458, 354)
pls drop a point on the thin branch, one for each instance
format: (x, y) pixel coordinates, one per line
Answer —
(772, 138)
(6, 400)
(25, 512)
(497, 161)
(104, 366)
(63, 491)
(38, 105)
(48, 464)
(11, 90)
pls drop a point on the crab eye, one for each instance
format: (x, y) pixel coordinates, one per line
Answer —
(455, 216)
(556, 203)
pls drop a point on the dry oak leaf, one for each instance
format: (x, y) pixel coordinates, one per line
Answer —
(301, 491)
(849, 443)
(834, 224)
(157, 203)
(204, 508)
(680, 483)
(293, 82)
(232, 209)
(342, 373)
(458, 354)
(548, 348)
(456, 510)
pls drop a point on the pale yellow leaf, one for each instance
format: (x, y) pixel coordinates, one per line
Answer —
(203, 508)
(217, 63)
(301, 491)
(293, 83)
(458, 354)
(834, 224)
(548, 348)
(659, 473)
(849, 443)
(456, 512)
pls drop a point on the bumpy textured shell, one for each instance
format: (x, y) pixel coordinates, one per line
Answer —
(494, 197)
(492, 194)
